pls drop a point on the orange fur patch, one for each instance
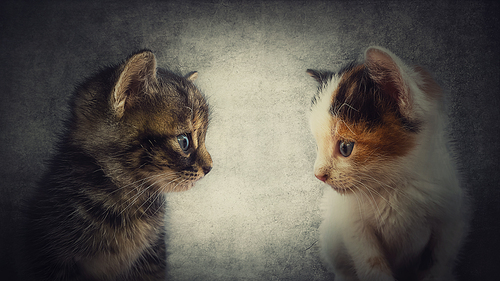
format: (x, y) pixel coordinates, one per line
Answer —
(387, 140)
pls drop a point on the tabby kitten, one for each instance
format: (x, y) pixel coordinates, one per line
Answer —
(135, 132)
(395, 209)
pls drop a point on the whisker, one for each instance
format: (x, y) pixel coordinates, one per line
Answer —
(371, 189)
(337, 113)
(372, 201)
(384, 185)
(137, 196)
(182, 181)
(158, 193)
(161, 206)
(348, 127)
(141, 180)
(357, 198)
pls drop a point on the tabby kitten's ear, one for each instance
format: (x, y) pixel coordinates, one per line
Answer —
(138, 74)
(387, 71)
(192, 76)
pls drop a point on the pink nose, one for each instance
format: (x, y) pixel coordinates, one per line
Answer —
(322, 178)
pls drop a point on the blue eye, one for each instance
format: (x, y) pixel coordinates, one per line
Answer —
(346, 148)
(183, 141)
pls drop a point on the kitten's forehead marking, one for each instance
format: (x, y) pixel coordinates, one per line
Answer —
(321, 114)
(322, 124)
(326, 94)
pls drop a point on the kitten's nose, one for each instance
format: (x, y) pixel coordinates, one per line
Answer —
(206, 170)
(322, 178)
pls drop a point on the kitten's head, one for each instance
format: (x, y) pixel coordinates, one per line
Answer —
(144, 124)
(367, 119)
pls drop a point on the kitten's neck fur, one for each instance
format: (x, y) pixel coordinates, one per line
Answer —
(122, 203)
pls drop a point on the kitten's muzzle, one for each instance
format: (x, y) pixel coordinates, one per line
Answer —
(207, 170)
(322, 178)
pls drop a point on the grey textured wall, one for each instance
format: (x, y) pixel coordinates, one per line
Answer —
(255, 216)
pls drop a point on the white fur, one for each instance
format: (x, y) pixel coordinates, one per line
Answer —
(421, 195)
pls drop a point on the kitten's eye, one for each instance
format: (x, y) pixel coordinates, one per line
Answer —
(346, 148)
(183, 141)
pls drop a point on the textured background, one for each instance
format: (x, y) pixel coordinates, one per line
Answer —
(255, 216)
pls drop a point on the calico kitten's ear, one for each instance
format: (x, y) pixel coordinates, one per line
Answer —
(320, 76)
(138, 73)
(191, 76)
(386, 70)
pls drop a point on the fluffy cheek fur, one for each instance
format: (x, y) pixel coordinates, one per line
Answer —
(375, 149)
(165, 167)
(168, 180)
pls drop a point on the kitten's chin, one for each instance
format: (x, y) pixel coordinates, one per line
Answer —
(179, 187)
(166, 184)
(184, 185)
(341, 191)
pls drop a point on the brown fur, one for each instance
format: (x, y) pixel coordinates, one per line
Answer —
(98, 214)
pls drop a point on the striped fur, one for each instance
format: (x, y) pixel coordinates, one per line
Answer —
(98, 214)
(395, 209)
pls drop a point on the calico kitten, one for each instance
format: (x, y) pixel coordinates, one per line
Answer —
(135, 132)
(395, 209)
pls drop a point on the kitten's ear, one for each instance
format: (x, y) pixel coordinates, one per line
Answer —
(138, 73)
(386, 70)
(320, 76)
(191, 76)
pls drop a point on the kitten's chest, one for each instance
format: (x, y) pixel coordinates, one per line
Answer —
(394, 222)
(401, 233)
(125, 245)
